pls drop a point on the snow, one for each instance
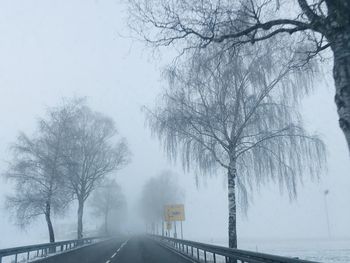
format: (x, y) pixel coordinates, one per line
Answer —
(320, 250)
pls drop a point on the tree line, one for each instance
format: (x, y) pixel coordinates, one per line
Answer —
(157, 192)
(68, 158)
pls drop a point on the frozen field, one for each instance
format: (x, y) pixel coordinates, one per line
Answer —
(332, 251)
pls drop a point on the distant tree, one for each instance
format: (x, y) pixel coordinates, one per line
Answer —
(36, 169)
(109, 202)
(226, 111)
(91, 152)
(317, 24)
(157, 192)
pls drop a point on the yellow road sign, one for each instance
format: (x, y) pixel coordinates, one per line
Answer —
(174, 212)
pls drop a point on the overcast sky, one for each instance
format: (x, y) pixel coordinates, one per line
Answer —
(54, 49)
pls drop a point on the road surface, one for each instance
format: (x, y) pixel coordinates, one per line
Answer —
(134, 250)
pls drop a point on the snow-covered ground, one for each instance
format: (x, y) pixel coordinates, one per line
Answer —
(320, 250)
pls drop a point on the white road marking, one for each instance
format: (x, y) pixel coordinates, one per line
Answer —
(122, 245)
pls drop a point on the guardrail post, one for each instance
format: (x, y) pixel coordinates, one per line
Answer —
(16, 258)
(205, 256)
(192, 250)
(52, 249)
(28, 255)
(214, 257)
(197, 253)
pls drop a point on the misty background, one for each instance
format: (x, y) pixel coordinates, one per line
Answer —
(54, 49)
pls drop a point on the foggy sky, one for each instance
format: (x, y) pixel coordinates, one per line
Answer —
(54, 49)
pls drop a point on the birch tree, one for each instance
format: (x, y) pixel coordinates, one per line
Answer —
(36, 169)
(321, 24)
(229, 112)
(109, 203)
(92, 152)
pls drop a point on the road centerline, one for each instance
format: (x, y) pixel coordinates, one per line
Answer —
(122, 245)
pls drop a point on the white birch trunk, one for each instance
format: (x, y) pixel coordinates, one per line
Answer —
(232, 222)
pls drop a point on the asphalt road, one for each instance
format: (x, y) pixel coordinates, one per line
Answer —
(134, 250)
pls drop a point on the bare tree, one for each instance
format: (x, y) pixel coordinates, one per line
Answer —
(158, 192)
(37, 168)
(227, 112)
(109, 203)
(90, 153)
(321, 24)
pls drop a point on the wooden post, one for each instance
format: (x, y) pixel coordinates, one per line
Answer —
(182, 235)
(175, 232)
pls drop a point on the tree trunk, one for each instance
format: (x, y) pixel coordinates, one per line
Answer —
(341, 73)
(80, 219)
(106, 223)
(49, 223)
(232, 230)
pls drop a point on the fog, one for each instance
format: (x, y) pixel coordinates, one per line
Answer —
(53, 49)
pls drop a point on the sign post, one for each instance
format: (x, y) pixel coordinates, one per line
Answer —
(182, 235)
(175, 232)
(173, 213)
(168, 227)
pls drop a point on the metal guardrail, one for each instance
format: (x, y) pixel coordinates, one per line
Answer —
(200, 252)
(26, 253)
